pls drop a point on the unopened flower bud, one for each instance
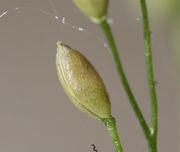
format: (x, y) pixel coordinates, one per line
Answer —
(95, 9)
(82, 83)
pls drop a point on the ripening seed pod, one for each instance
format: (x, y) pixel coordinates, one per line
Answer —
(95, 9)
(81, 82)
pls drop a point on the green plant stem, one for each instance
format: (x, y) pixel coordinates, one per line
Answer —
(150, 74)
(110, 124)
(110, 39)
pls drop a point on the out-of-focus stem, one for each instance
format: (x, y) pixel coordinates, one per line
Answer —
(150, 76)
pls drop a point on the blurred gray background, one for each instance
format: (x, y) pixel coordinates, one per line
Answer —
(36, 115)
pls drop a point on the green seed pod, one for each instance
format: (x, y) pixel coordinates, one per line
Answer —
(82, 83)
(95, 9)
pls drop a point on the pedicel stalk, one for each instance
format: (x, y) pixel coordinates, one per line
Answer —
(85, 88)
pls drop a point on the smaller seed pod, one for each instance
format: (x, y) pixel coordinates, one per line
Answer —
(82, 83)
(95, 9)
